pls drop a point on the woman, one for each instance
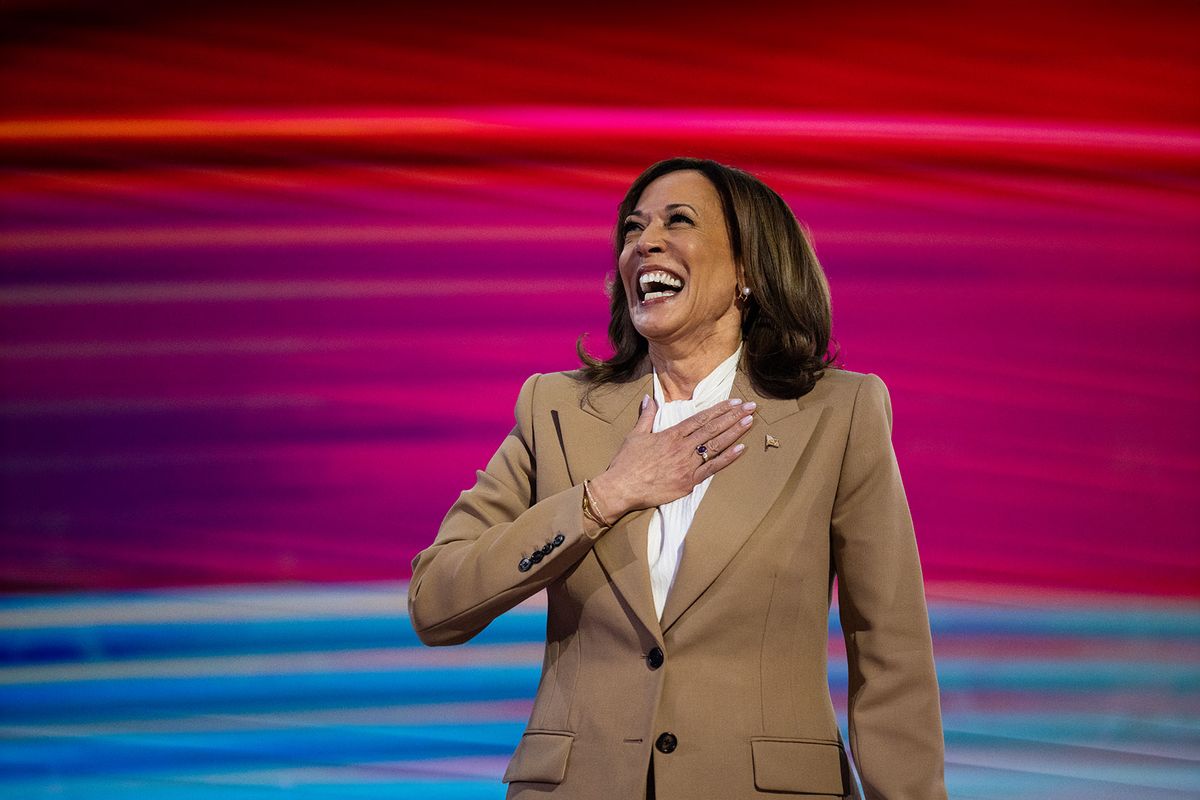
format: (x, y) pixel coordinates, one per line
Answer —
(686, 641)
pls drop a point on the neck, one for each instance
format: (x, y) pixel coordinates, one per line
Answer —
(680, 368)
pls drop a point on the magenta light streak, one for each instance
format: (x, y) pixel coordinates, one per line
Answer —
(267, 294)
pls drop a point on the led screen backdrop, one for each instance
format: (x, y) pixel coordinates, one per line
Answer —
(272, 276)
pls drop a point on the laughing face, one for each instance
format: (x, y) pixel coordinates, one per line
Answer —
(677, 263)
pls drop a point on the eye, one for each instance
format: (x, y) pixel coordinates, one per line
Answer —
(680, 217)
(630, 226)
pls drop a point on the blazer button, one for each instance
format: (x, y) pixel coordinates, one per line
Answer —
(667, 743)
(558, 540)
(654, 658)
(536, 556)
(524, 565)
(546, 548)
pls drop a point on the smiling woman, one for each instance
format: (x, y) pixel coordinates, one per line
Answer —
(677, 268)
(762, 283)
(686, 641)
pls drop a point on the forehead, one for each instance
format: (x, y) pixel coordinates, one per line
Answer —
(685, 186)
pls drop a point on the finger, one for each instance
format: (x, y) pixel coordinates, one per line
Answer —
(645, 422)
(715, 465)
(701, 418)
(715, 427)
(724, 440)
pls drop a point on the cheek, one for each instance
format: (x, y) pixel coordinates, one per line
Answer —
(715, 277)
(626, 275)
(625, 261)
(625, 282)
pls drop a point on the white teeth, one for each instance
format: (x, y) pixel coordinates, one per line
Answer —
(660, 277)
(652, 295)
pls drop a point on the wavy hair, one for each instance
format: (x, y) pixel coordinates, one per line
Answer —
(786, 321)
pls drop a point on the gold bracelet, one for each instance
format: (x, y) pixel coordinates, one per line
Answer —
(591, 509)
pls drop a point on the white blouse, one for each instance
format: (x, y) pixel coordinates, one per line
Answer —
(670, 522)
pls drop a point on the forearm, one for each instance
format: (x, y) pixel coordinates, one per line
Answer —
(476, 571)
(894, 710)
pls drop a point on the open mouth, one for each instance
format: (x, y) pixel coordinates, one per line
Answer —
(658, 284)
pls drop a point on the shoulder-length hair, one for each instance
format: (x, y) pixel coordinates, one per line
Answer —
(786, 321)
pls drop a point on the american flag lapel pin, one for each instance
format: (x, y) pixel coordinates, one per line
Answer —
(772, 441)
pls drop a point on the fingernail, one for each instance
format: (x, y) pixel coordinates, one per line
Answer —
(750, 406)
(739, 448)
(735, 401)
(645, 401)
(747, 419)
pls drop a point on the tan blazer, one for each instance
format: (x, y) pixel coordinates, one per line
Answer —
(728, 693)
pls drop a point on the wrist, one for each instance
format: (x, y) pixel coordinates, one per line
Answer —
(608, 500)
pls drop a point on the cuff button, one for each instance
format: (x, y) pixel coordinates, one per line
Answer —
(524, 565)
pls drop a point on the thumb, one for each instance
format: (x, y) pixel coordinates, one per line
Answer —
(645, 423)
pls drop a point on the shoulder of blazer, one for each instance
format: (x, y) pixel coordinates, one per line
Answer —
(570, 388)
(543, 389)
(569, 383)
(836, 387)
(842, 376)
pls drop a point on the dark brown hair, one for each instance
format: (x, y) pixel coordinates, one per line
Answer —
(786, 321)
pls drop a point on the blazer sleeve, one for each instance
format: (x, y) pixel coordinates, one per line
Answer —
(894, 707)
(473, 572)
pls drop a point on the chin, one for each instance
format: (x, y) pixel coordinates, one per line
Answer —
(660, 327)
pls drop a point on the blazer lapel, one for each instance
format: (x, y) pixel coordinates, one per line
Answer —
(736, 501)
(740, 495)
(589, 446)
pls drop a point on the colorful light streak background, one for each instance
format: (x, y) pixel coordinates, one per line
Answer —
(271, 277)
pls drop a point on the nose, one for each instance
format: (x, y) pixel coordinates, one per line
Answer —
(649, 242)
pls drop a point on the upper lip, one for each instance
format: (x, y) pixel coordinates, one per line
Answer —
(644, 268)
(653, 268)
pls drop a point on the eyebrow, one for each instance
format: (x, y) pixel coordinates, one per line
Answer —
(637, 212)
